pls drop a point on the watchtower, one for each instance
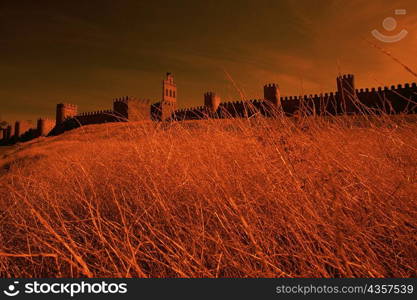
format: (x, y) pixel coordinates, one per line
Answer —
(65, 111)
(346, 93)
(169, 89)
(132, 109)
(164, 109)
(211, 101)
(272, 93)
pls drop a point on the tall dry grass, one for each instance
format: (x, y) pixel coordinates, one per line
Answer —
(314, 197)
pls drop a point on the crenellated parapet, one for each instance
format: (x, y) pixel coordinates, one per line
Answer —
(211, 101)
(191, 113)
(312, 104)
(95, 113)
(65, 111)
(239, 109)
(132, 109)
(394, 99)
(96, 117)
(126, 100)
(272, 93)
(401, 98)
(230, 109)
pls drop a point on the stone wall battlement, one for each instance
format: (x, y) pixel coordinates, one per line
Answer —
(347, 99)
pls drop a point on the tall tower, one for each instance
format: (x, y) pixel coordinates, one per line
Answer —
(163, 110)
(211, 101)
(64, 111)
(169, 89)
(272, 93)
(346, 93)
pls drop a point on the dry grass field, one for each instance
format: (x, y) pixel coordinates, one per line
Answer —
(310, 197)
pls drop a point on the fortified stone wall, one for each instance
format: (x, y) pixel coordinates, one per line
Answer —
(96, 117)
(345, 100)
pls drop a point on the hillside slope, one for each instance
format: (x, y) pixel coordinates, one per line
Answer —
(231, 198)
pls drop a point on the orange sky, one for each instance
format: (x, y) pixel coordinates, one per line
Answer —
(90, 53)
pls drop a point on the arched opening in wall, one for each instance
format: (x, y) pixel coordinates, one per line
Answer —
(166, 92)
(170, 93)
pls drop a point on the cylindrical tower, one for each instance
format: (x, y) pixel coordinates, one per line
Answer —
(211, 101)
(272, 93)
